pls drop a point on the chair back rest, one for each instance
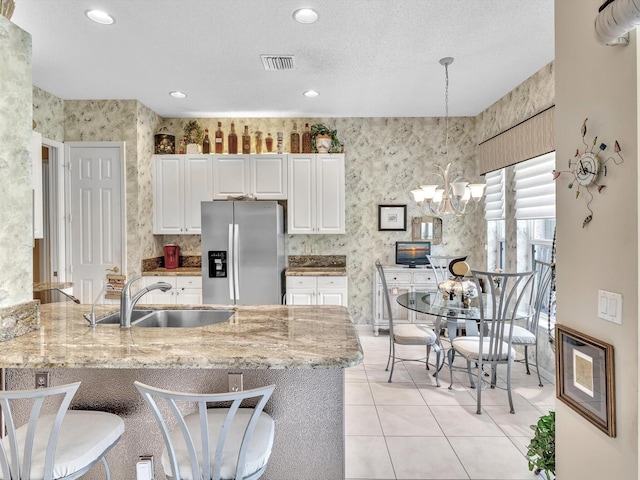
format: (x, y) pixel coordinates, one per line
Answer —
(440, 265)
(544, 273)
(11, 465)
(205, 468)
(387, 301)
(505, 300)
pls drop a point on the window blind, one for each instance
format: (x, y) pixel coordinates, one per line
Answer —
(535, 190)
(494, 195)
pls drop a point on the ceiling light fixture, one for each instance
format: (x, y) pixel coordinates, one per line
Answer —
(100, 17)
(450, 198)
(177, 94)
(311, 94)
(305, 15)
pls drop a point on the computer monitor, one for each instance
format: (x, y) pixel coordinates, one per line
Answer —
(412, 254)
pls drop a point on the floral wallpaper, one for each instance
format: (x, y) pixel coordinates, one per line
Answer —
(48, 113)
(16, 214)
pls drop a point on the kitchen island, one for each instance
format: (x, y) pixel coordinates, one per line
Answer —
(302, 350)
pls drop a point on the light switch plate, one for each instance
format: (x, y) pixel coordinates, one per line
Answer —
(610, 306)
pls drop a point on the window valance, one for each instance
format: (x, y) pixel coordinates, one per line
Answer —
(528, 139)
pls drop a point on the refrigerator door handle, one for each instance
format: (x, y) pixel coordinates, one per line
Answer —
(236, 261)
(231, 268)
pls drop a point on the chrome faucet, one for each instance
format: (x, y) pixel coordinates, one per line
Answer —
(127, 302)
(91, 317)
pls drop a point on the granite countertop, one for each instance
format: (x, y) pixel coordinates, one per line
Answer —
(178, 272)
(260, 337)
(42, 286)
(317, 265)
(315, 271)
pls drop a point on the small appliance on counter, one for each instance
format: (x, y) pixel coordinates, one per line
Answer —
(171, 256)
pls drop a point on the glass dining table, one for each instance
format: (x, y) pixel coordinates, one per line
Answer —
(457, 317)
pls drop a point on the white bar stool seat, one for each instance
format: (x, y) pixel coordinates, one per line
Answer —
(64, 445)
(228, 442)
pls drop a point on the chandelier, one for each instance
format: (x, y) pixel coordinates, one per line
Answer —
(452, 196)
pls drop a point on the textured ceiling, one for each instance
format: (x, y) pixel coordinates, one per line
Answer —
(367, 58)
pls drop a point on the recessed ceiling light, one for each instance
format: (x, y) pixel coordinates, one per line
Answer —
(176, 94)
(100, 17)
(305, 15)
(311, 94)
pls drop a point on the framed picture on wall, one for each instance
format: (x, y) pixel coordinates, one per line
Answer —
(586, 377)
(392, 218)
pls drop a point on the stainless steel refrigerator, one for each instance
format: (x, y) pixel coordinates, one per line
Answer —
(243, 257)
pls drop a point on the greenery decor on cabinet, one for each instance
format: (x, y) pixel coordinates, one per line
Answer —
(320, 130)
(193, 132)
(541, 452)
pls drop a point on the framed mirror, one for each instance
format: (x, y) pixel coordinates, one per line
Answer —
(427, 228)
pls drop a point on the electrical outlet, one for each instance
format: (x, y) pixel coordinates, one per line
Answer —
(42, 379)
(144, 468)
(235, 382)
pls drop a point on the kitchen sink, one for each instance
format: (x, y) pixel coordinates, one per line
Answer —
(183, 318)
(171, 318)
(115, 317)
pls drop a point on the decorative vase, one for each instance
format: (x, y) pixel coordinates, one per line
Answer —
(193, 148)
(323, 143)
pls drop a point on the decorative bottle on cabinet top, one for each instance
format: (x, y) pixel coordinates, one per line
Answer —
(219, 139)
(233, 140)
(258, 142)
(306, 139)
(206, 144)
(246, 141)
(269, 142)
(295, 139)
(280, 137)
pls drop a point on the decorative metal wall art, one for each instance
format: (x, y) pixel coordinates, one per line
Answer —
(588, 169)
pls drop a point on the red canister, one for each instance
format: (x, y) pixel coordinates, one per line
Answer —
(171, 256)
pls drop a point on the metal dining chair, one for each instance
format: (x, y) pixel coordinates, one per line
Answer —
(227, 442)
(505, 300)
(407, 334)
(527, 335)
(54, 446)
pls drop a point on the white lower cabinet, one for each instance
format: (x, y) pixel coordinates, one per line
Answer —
(400, 280)
(322, 290)
(184, 291)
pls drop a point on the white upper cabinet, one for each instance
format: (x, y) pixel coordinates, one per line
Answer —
(316, 194)
(181, 182)
(262, 176)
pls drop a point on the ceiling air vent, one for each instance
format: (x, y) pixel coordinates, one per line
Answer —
(278, 62)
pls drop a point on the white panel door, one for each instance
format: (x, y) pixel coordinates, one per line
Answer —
(330, 195)
(301, 208)
(231, 175)
(197, 188)
(97, 214)
(36, 157)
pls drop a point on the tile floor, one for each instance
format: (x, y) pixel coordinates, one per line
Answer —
(410, 429)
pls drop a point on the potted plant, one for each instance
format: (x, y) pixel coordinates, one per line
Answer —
(193, 135)
(324, 139)
(541, 452)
